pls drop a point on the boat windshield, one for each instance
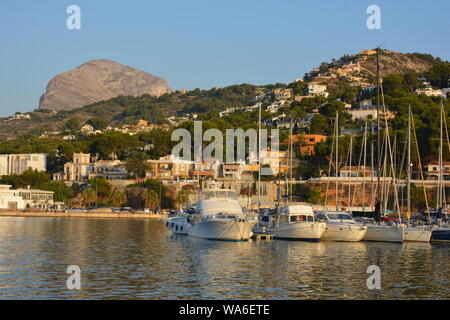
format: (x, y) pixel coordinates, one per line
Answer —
(339, 216)
(301, 218)
(224, 194)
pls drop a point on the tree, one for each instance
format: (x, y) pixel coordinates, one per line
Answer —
(32, 178)
(152, 199)
(72, 125)
(182, 197)
(97, 123)
(319, 124)
(138, 163)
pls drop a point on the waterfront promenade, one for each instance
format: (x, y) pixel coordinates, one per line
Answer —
(108, 215)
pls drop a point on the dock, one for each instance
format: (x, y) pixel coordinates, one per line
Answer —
(100, 215)
(263, 236)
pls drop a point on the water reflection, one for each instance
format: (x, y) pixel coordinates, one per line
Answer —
(140, 259)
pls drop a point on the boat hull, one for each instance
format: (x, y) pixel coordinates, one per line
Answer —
(178, 225)
(308, 231)
(344, 233)
(223, 229)
(381, 233)
(416, 235)
(440, 235)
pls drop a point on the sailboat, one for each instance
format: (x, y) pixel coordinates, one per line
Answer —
(294, 222)
(442, 232)
(399, 232)
(340, 225)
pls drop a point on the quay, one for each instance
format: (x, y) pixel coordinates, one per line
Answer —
(108, 215)
(262, 236)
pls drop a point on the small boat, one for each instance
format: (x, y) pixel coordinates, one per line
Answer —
(294, 222)
(341, 226)
(218, 216)
(441, 234)
(396, 232)
(180, 224)
(384, 233)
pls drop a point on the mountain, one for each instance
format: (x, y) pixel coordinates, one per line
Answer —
(99, 80)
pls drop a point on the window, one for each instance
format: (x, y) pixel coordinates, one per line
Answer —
(339, 216)
(321, 216)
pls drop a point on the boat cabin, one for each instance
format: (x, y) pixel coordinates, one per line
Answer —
(334, 216)
(289, 215)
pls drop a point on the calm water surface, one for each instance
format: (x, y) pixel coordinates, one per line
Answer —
(140, 259)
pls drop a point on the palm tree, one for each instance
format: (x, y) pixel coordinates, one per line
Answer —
(137, 163)
(182, 197)
(152, 199)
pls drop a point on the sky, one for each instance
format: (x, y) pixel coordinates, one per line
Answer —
(203, 43)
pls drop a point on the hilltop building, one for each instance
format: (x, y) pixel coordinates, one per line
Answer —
(315, 89)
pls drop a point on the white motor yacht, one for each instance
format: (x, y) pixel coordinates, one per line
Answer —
(180, 224)
(294, 222)
(341, 226)
(220, 217)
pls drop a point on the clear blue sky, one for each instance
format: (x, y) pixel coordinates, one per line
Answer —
(203, 43)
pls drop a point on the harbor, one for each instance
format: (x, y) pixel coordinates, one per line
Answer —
(246, 153)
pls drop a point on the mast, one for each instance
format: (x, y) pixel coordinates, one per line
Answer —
(350, 175)
(337, 157)
(364, 168)
(408, 186)
(259, 158)
(378, 201)
(290, 163)
(440, 199)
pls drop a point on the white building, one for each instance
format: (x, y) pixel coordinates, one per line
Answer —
(315, 89)
(36, 199)
(87, 129)
(430, 92)
(19, 163)
(109, 170)
(10, 199)
(363, 114)
(78, 170)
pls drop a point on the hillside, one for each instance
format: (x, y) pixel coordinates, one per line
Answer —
(355, 70)
(361, 68)
(128, 109)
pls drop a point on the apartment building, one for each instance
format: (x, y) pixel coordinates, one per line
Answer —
(19, 163)
(78, 170)
(170, 168)
(109, 170)
(315, 89)
(433, 171)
